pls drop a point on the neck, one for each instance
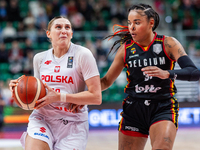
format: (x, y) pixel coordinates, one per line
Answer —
(59, 51)
(147, 40)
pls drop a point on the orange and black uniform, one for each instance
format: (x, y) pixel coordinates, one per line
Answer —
(150, 99)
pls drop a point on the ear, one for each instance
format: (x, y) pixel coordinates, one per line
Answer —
(71, 35)
(151, 22)
(48, 34)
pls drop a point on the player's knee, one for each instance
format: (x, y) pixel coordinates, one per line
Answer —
(162, 146)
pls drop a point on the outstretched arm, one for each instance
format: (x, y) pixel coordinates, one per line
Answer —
(114, 70)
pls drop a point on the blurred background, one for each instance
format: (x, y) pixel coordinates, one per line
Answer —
(22, 35)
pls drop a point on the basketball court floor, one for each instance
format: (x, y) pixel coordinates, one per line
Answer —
(187, 139)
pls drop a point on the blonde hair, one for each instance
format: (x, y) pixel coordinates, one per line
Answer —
(52, 20)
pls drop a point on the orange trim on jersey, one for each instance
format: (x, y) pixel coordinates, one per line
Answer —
(124, 100)
(172, 81)
(165, 50)
(171, 68)
(120, 124)
(126, 65)
(128, 45)
(128, 80)
(145, 48)
(171, 87)
(159, 39)
(133, 133)
(128, 72)
(174, 112)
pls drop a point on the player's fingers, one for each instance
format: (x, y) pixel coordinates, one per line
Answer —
(12, 84)
(81, 106)
(40, 104)
(20, 77)
(40, 100)
(74, 108)
(48, 88)
(70, 107)
(149, 68)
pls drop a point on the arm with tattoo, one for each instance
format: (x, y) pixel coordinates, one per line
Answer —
(173, 48)
(176, 52)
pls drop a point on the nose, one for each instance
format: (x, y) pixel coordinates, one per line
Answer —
(63, 31)
(132, 27)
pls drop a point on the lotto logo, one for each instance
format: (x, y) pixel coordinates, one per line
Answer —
(146, 89)
(42, 129)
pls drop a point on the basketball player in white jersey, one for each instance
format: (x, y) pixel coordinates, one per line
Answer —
(66, 69)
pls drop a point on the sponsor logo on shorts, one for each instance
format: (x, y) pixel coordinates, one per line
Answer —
(147, 102)
(65, 122)
(41, 134)
(131, 128)
(42, 129)
(128, 102)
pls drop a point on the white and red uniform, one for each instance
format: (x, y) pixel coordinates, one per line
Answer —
(53, 123)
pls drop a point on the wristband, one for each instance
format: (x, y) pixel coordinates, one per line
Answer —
(172, 75)
(188, 71)
(63, 97)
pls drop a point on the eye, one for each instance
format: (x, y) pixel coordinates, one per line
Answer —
(137, 23)
(58, 27)
(67, 26)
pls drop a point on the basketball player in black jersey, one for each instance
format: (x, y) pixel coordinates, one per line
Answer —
(150, 107)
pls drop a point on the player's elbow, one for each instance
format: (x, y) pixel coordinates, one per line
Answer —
(195, 75)
(98, 98)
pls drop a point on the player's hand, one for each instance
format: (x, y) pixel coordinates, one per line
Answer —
(52, 96)
(13, 83)
(74, 107)
(156, 72)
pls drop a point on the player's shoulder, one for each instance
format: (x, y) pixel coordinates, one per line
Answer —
(169, 40)
(81, 50)
(40, 55)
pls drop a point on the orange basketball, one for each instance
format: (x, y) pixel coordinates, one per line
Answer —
(28, 90)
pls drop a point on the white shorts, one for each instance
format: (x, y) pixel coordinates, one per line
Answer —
(60, 134)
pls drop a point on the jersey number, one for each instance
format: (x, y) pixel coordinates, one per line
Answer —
(147, 77)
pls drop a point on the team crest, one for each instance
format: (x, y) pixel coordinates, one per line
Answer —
(133, 50)
(57, 69)
(70, 62)
(157, 48)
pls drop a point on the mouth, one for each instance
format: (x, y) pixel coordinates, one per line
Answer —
(63, 37)
(133, 35)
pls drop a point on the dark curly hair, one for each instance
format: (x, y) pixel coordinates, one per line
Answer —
(123, 32)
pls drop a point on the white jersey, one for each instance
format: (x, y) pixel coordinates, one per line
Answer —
(65, 75)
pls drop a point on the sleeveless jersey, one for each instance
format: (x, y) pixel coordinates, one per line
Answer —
(141, 85)
(66, 75)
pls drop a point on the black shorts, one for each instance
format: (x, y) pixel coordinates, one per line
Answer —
(139, 114)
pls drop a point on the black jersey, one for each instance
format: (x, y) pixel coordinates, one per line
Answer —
(141, 85)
